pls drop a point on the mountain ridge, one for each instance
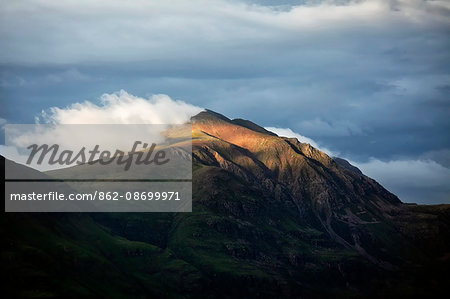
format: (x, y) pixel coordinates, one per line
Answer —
(294, 157)
(271, 216)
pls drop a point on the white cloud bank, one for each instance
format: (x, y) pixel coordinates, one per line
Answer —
(286, 132)
(119, 108)
(123, 108)
(416, 181)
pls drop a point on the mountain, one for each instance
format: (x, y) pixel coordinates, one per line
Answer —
(271, 217)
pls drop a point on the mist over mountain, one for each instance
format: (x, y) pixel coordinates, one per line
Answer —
(272, 216)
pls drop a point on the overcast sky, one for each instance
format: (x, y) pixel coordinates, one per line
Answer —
(366, 80)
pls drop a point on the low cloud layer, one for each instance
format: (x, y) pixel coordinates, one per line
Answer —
(123, 108)
(417, 181)
(286, 132)
(116, 109)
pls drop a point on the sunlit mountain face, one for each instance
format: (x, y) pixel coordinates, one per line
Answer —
(271, 216)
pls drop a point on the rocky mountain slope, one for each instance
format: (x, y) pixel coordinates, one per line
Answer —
(271, 217)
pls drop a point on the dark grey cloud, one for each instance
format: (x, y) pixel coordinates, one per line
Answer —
(366, 79)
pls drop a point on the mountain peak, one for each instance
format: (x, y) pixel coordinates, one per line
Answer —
(209, 115)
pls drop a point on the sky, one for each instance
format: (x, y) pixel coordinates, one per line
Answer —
(368, 81)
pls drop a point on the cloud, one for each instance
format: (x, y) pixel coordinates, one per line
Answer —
(71, 74)
(2, 123)
(116, 123)
(286, 132)
(441, 157)
(418, 181)
(123, 108)
(118, 31)
(319, 127)
(52, 78)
